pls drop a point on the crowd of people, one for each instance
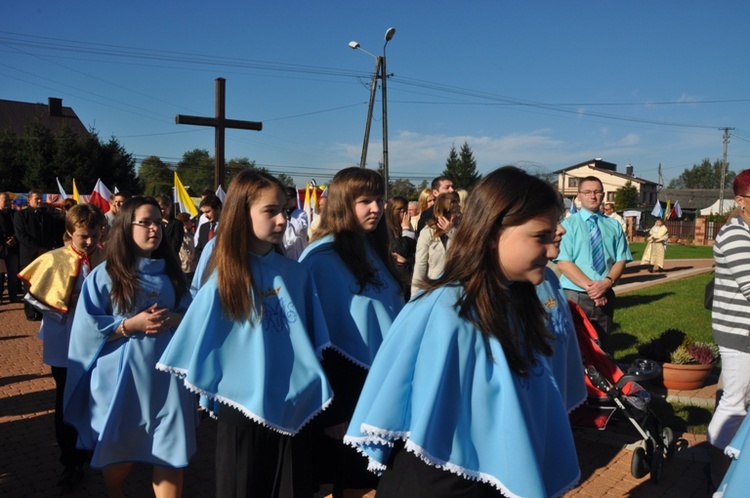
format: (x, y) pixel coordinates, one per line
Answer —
(381, 345)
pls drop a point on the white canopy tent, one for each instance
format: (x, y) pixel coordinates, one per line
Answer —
(729, 206)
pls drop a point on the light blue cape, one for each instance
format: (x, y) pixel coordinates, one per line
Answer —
(356, 322)
(433, 386)
(736, 482)
(268, 369)
(566, 362)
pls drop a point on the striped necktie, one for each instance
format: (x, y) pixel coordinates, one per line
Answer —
(597, 249)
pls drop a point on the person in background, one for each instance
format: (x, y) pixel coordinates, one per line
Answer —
(462, 195)
(440, 185)
(210, 206)
(435, 239)
(322, 200)
(656, 244)
(55, 279)
(609, 211)
(115, 203)
(38, 230)
(187, 248)
(125, 410)
(250, 345)
(402, 240)
(730, 320)
(476, 337)
(414, 214)
(351, 263)
(593, 254)
(173, 229)
(295, 237)
(9, 250)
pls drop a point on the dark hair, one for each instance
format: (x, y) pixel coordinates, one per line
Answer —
(440, 179)
(589, 179)
(68, 203)
(211, 201)
(339, 220)
(238, 291)
(35, 191)
(391, 217)
(741, 184)
(507, 197)
(122, 258)
(121, 193)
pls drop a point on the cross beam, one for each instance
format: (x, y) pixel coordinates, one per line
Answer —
(220, 123)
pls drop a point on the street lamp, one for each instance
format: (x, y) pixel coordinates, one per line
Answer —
(380, 72)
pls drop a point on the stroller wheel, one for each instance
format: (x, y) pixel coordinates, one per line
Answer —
(667, 438)
(657, 464)
(639, 465)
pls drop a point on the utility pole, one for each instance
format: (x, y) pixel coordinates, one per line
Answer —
(373, 87)
(723, 169)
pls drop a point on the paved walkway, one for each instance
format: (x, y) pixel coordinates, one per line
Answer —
(28, 453)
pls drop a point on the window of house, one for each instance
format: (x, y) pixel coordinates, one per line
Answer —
(572, 181)
(610, 197)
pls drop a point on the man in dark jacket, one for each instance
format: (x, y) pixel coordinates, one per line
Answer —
(9, 249)
(38, 230)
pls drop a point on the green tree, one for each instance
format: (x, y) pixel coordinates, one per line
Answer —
(626, 197)
(704, 175)
(155, 176)
(462, 168)
(402, 187)
(196, 170)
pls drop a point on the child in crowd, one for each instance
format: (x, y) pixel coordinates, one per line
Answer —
(249, 344)
(125, 410)
(54, 281)
(354, 271)
(461, 399)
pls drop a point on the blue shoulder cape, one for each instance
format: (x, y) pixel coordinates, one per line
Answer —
(566, 362)
(736, 482)
(268, 369)
(123, 408)
(357, 323)
(433, 386)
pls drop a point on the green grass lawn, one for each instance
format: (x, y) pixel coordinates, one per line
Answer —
(675, 251)
(643, 314)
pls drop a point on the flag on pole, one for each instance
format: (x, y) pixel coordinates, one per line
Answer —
(182, 198)
(221, 194)
(668, 210)
(61, 189)
(657, 212)
(573, 207)
(307, 206)
(75, 192)
(677, 209)
(100, 196)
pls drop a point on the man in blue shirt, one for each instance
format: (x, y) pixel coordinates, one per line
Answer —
(593, 254)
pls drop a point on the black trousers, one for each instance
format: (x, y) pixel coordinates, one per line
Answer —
(12, 263)
(601, 316)
(66, 435)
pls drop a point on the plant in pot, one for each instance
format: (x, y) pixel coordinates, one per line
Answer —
(685, 363)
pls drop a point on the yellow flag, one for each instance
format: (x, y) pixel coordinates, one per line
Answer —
(182, 198)
(75, 192)
(668, 210)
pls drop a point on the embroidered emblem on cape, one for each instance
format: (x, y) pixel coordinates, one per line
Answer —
(550, 303)
(278, 314)
(270, 292)
(153, 294)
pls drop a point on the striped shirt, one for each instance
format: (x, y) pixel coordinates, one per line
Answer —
(730, 314)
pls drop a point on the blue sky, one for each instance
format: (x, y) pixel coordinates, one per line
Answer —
(542, 85)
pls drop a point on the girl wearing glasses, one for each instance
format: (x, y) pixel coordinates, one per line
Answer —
(126, 411)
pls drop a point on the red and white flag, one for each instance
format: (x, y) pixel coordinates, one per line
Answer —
(100, 196)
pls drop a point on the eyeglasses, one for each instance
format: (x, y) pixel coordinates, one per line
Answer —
(587, 193)
(148, 224)
(745, 196)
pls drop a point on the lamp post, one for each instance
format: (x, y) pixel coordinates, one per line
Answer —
(380, 73)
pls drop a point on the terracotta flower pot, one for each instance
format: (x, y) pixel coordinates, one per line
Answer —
(685, 377)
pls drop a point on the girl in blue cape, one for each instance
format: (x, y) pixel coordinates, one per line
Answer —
(351, 263)
(249, 345)
(461, 399)
(126, 411)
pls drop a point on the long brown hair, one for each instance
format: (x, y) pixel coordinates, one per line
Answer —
(238, 292)
(339, 220)
(122, 258)
(445, 205)
(506, 197)
(393, 217)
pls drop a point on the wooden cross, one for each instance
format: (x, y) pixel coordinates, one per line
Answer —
(220, 123)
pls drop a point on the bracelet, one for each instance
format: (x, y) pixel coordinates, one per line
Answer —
(610, 279)
(123, 330)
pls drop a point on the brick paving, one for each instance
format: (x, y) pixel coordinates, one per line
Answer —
(28, 454)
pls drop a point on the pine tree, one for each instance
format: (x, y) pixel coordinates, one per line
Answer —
(462, 168)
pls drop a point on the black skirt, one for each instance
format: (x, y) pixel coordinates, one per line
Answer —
(253, 460)
(409, 476)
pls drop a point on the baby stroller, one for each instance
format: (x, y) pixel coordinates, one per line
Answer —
(609, 390)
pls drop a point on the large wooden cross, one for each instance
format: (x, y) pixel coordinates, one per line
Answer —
(220, 123)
